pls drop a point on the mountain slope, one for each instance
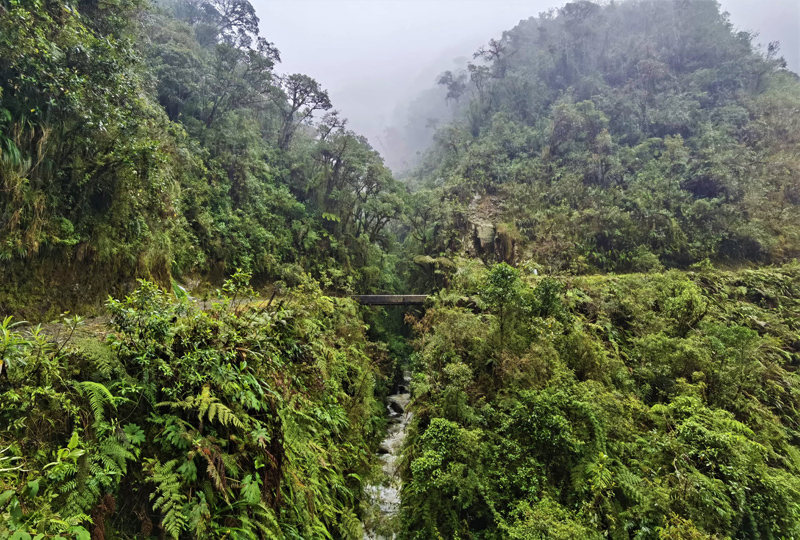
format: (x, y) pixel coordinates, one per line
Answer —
(609, 382)
(621, 137)
(142, 141)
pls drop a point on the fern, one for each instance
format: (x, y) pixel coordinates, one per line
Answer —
(77, 519)
(115, 456)
(68, 486)
(82, 499)
(99, 396)
(168, 498)
(266, 521)
(207, 405)
(350, 526)
(630, 484)
(217, 476)
(101, 357)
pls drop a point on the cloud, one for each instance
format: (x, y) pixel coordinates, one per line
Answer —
(376, 55)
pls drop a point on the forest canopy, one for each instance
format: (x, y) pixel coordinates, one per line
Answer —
(159, 142)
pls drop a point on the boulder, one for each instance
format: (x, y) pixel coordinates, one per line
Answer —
(396, 406)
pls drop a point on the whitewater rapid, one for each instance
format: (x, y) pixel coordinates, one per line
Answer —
(385, 496)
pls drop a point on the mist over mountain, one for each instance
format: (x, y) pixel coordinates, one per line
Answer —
(376, 57)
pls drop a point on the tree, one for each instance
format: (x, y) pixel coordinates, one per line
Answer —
(502, 294)
(233, 22)
(238, 78)
(495, 54)
(456, 84)
(81, 158)
(299, 97)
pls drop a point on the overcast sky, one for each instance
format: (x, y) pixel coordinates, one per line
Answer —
(374, 55)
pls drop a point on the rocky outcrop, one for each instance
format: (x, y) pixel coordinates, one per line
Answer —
(491, 240)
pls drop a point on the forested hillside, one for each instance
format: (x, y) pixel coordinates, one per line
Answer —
(162, 142)
(658, 406)
(606, 221)
(627, 137)
(242, 419)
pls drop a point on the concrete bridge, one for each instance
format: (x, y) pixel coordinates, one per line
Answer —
(391, 299)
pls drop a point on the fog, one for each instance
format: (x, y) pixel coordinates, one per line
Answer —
(374, 56)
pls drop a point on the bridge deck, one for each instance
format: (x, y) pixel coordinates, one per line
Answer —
(391, 299)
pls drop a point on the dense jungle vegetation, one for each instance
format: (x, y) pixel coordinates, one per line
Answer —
(629, 137)
(640, 406)
(236, 420)
(606, 219)
(626, 137)
(158, 142)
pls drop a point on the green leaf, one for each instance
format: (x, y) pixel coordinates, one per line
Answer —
(134, 433)
(33, 488)
(20, 535)
(73, 442)
(80, 533)
(5, 496)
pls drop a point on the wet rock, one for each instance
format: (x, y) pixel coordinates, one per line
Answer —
(396, 406)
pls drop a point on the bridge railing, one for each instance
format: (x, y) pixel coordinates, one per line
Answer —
(391, 299)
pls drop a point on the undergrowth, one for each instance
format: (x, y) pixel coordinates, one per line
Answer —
(248, 419)
(647, 406)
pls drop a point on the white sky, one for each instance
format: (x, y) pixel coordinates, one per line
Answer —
(374, 55)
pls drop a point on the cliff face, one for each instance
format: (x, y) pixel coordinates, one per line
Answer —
(483, 215)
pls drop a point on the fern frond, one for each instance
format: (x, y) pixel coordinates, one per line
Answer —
(169, 499)
(207, 406)
(113, 449)
(631, 485)
(267, 522)
(68, 486)
(224, 414)
(77, 519)
(215, 475)
(350, 526)
(99, 396)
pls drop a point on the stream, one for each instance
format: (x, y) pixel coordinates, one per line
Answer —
(384, 497)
